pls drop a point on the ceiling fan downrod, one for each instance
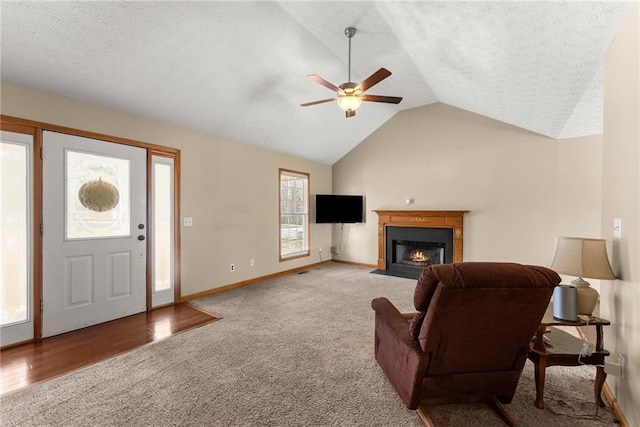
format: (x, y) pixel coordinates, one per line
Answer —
(349, 32)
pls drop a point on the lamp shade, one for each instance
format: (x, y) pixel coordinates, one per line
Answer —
(576, 256)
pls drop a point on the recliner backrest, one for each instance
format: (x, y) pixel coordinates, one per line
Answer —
(479, 317)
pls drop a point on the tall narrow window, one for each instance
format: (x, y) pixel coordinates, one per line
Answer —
(163, 230)
(16, 279)
(294, 214)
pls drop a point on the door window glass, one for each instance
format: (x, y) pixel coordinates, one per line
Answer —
(97, 196)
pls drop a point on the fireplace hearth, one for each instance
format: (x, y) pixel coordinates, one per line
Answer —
(409, 241)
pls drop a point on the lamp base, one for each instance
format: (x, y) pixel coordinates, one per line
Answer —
(587, 297)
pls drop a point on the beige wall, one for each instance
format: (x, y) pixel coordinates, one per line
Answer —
(230, 189)
(620, 199)
(521, 189)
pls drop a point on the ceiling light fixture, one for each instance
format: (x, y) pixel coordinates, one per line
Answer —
(349, 98)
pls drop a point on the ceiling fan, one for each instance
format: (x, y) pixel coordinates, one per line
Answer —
(350, 95)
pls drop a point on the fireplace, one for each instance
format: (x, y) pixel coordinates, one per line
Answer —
(409, 241)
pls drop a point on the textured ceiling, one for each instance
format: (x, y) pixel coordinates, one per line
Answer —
(238, 69)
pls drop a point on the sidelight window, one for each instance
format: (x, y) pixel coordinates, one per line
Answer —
(16, 236)
(163, 230)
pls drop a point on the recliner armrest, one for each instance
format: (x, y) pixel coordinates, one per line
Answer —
(395, 321)
(397, 352)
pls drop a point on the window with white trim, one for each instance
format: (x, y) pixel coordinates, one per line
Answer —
(294, 214)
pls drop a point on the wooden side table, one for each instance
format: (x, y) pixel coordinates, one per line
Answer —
(560, 348)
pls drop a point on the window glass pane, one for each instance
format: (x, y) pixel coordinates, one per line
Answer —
(294, 207)
(97, 196)
(14, 217)
(162, 221)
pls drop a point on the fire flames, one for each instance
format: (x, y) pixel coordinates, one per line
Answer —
(418, 256)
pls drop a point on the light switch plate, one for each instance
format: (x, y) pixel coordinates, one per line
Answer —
(617, 228)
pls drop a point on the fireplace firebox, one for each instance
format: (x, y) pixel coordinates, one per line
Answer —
(418, 254)
(409, 241)
(411, 249)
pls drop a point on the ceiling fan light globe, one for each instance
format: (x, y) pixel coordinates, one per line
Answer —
(349, 102)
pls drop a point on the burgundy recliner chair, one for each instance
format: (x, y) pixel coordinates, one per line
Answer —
(469, 340)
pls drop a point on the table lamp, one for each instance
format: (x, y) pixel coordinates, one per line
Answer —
(576, 256)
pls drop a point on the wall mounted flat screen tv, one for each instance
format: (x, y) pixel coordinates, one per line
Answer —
(332, 209)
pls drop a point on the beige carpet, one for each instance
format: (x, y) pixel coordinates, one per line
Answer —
(291, 351)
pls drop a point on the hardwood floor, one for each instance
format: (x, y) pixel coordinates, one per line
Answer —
(28, 364)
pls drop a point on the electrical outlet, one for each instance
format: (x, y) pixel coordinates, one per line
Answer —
(232, 267)
(252, 262)
(187, 221)
(611, 368)
(615, 369)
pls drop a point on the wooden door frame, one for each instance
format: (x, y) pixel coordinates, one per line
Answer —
(36, 129)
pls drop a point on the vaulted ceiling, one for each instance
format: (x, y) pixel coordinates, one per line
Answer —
(238, 69)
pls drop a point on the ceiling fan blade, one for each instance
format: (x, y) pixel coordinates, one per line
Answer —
(374, 79)
(322, 101)
(323, 82)
(379, 98)
(350, 113)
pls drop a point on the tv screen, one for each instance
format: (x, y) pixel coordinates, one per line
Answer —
(339, 209)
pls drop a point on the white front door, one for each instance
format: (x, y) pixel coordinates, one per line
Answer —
(94, 235)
